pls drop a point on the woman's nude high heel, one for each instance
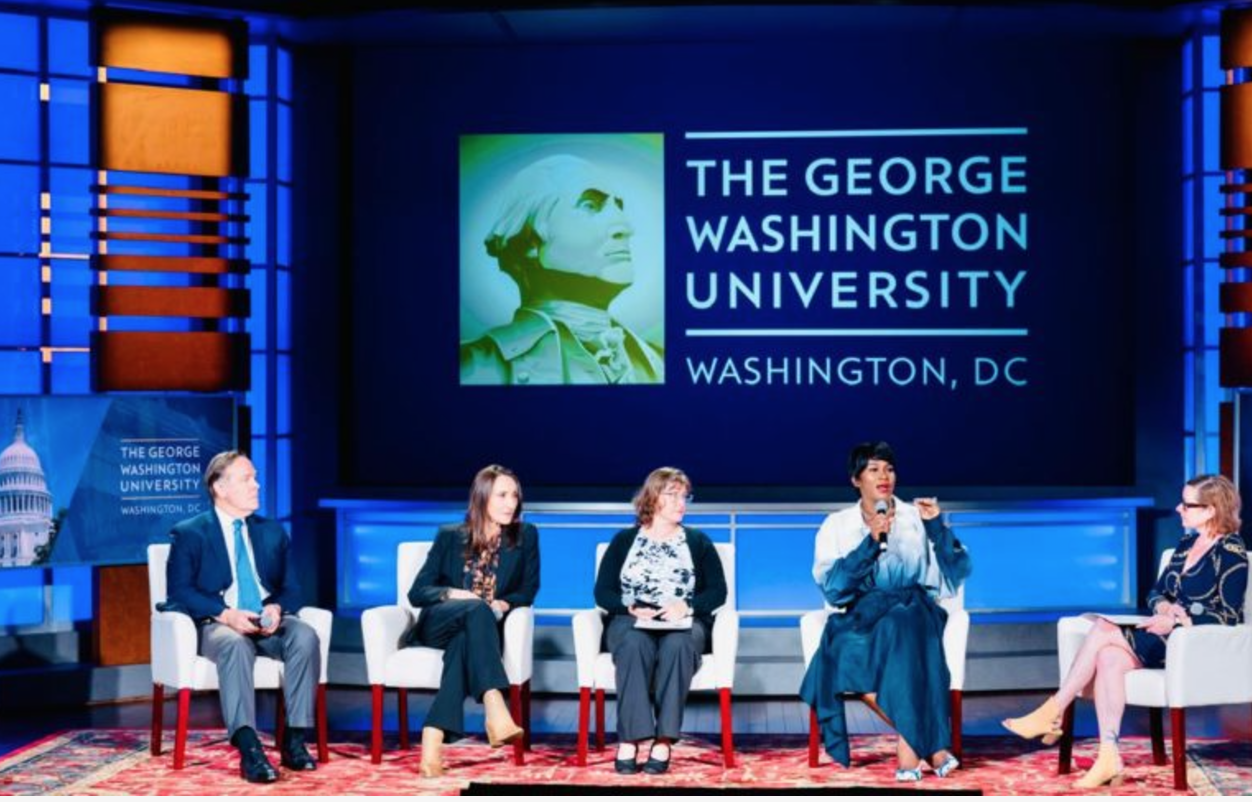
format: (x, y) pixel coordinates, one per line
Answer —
(432, 753)
(1039, 723)
(1107, 770)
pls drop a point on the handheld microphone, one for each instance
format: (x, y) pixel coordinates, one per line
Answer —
(265, 621)
(880, 508)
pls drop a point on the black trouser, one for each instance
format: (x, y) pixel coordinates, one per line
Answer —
(467, 632)
(654, 670)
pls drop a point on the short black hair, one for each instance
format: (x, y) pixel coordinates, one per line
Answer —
(862, 453)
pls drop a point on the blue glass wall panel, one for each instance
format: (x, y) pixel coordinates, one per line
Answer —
(258, 395)
(282, 309)
(1212, 104)
(283, 83)
(258, 142)
(283, 141)
(19, 42)
(71, 210)
(283, 477)
(19, 97)
(21, 596)
(19, 301)
(71, 373)
(1086, 548)
(20, 372)
(19, 208)
(72, 594)
(775, 566)
(282, 386)
(1188, 140)
(67, 48)
(69, 124)
(71, 302)
(258, 72)
(258, 232)
(1213, 73)
(282, 227)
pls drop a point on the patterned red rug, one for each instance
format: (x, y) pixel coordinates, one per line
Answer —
(114, 762)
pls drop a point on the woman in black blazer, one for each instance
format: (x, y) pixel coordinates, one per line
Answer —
(657, 572)
(475, 574)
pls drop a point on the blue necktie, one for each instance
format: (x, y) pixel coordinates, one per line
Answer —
(249, 593)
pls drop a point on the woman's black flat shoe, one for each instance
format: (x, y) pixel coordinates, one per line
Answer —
(625, 766)
(654, 766)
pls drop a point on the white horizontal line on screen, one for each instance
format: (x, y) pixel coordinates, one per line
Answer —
(858, 332)
(864, 133)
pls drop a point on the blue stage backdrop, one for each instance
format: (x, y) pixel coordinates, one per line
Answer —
(95, 479)
(926, 235)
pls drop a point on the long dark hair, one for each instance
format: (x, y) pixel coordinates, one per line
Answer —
(476, 516)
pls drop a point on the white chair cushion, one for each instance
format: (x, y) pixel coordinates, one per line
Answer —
(414, 667)
(1146, 687)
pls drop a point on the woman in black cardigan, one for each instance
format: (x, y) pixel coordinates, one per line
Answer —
(660, 583)
(475, 574)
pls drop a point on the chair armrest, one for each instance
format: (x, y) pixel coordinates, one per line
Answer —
(812, 625)
(519, 645)
(725, 647)
(955, 645)
(322, 622)
(173, 649)
(1208, 664)
(1071, 631)
(381, 630)
(588, 630)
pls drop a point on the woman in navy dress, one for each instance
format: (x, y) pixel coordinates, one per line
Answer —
(1205, 583)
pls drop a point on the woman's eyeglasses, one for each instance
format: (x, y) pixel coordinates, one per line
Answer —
(688, 497)
(1188, 505)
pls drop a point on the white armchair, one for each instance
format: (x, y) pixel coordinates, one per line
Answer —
(717, 670)
(389, 664)
(955, 643)
(1205, 665)
(176, 663)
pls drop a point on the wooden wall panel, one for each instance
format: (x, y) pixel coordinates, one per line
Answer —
(121, 634)
(196, 302)
(164, 46)
(160, 129)
(200, 361)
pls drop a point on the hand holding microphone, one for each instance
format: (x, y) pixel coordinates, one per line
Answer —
(880, 525)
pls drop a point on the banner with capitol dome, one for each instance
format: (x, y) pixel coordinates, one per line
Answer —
(95, 479)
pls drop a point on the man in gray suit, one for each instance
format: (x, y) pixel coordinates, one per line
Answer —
(231, 571)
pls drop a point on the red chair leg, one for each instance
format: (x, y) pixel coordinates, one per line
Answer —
(1178, 737)
(158, 716)
(515, 710)
(599, 719)
(728, 730)
(402, 707)
(180, 728)
(584, 716)
(280, 719)
(813, 738)
(1156, 726)
(323, 747)
(956, 723)
(526, 712)
(376, 727)
(1066, 753)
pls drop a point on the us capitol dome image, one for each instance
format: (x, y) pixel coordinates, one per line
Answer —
(25, 503)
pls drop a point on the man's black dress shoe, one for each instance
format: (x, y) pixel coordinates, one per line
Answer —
(295, 755)
(254, 766)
